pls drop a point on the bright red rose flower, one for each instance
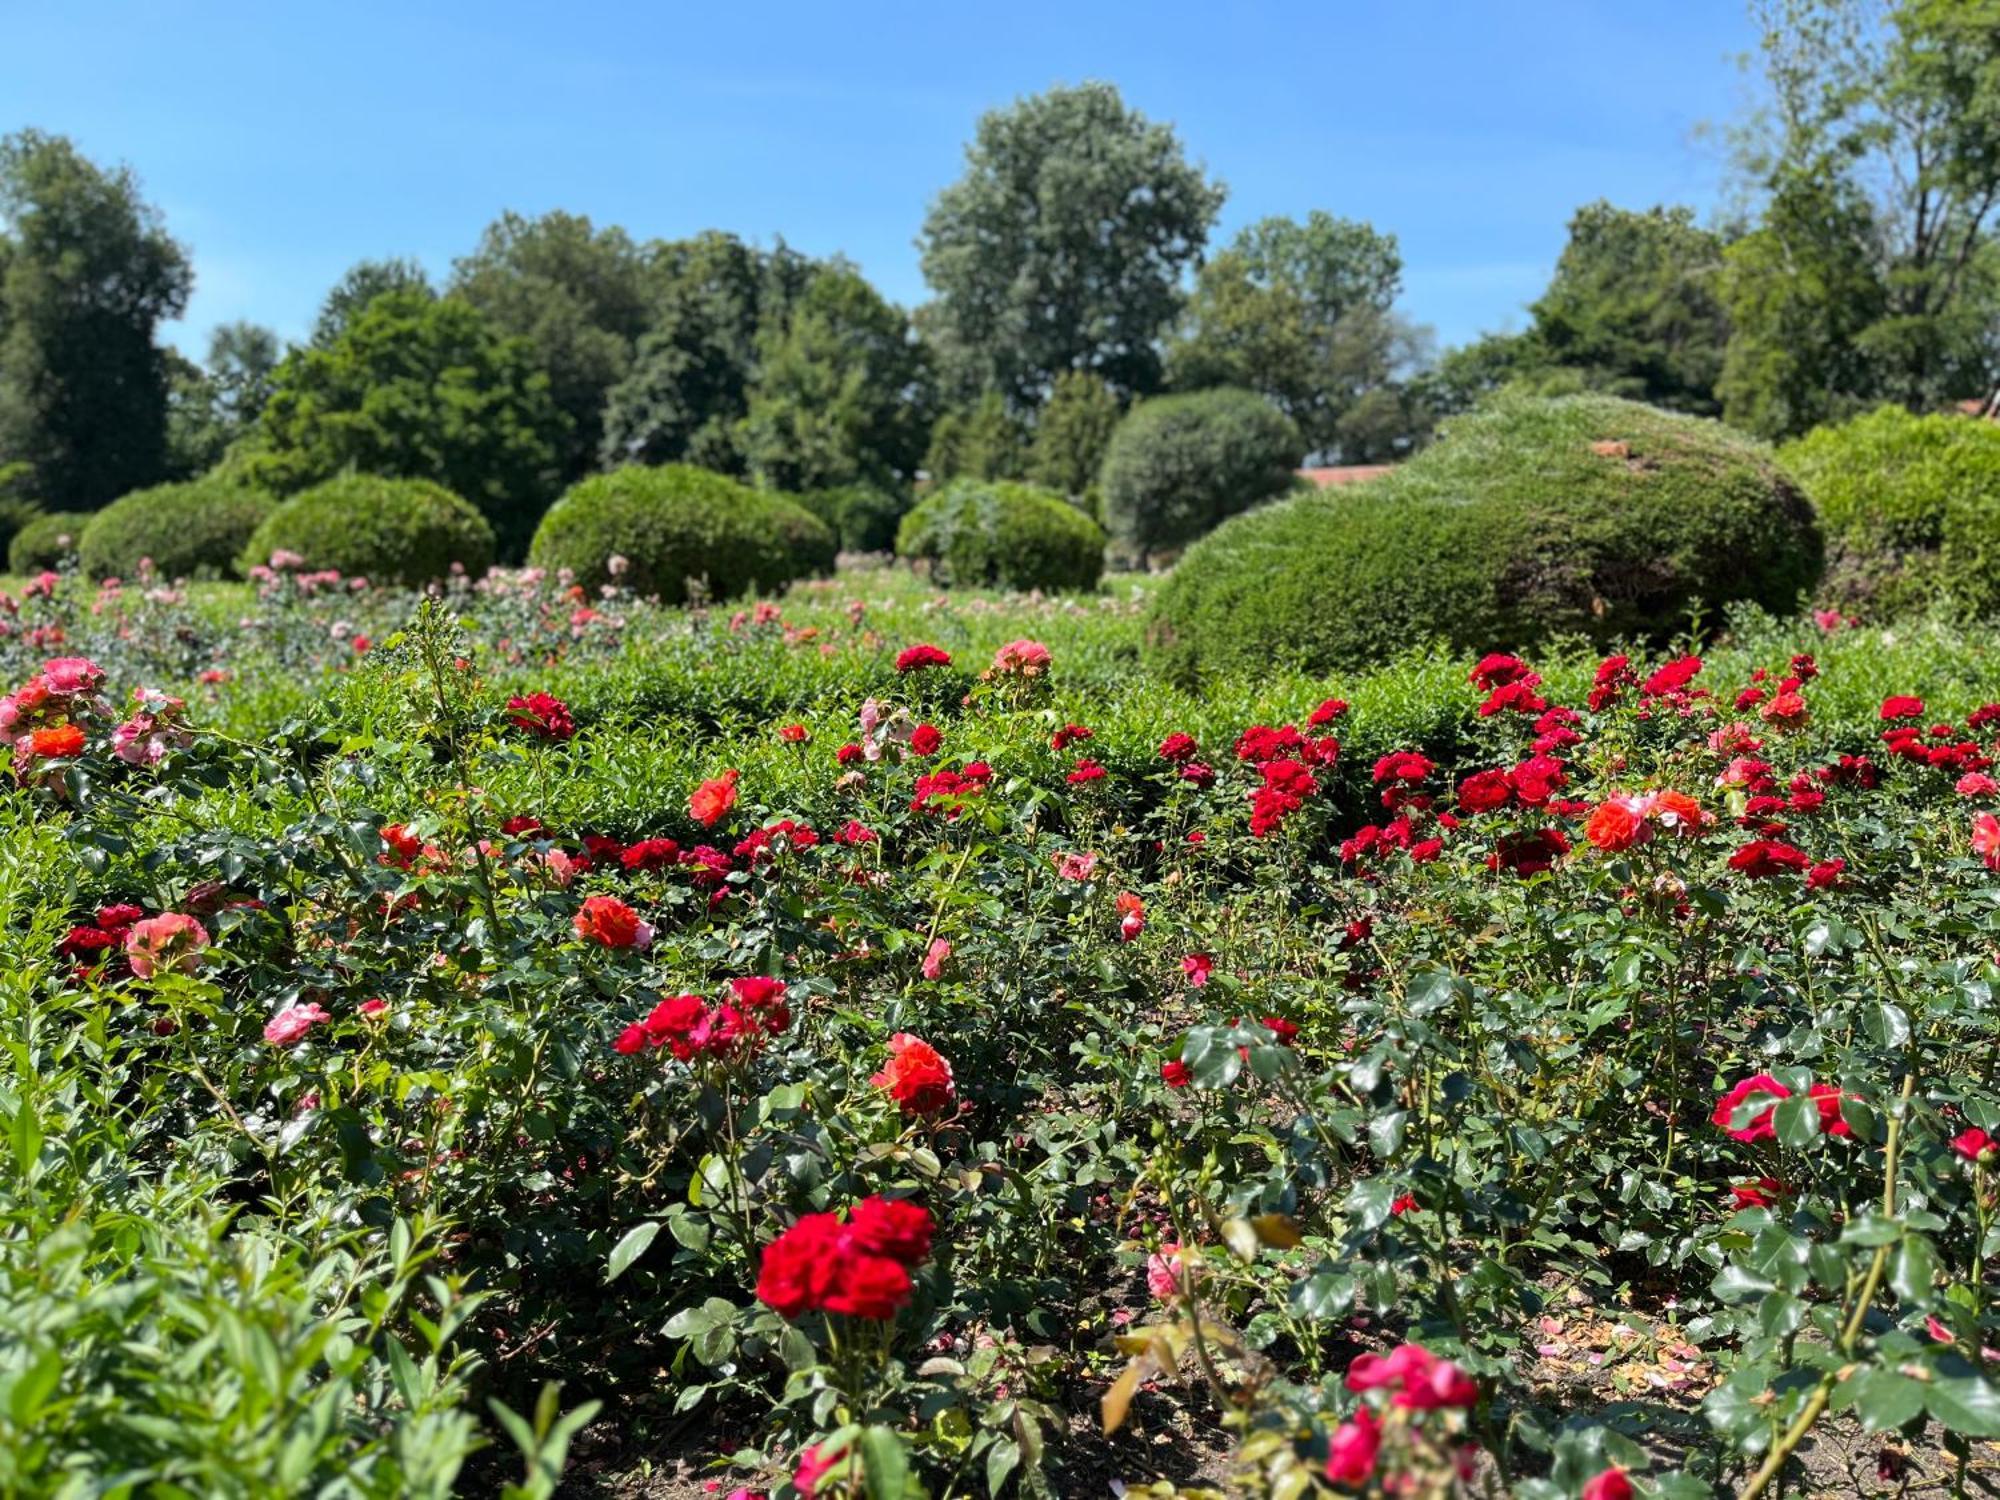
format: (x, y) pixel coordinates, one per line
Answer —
(542, 715)
(918, 658)
(711, 801)
(1759, 1088)
(916, 1076)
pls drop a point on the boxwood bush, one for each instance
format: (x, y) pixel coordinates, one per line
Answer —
(1179, 465)
(1911, 510)
(192, 530)
(863, 516)
(406, 531)
(995, 533)
(1533, 518)
(43, 541)
(677, 523)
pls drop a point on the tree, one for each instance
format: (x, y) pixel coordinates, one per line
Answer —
(579, 296)
(87, 274)
(1063, 246)
(419, 387)
(1302, 314)
(688, 391)
(1634, 307)
(209, 408)
(842, 393)
(1462, 378)
(1072, 433)
(362, 283)
(985, 440)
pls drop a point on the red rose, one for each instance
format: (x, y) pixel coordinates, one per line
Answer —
(916, 1076)
(866, 1286)
(1610, 1485)
(541, 715)
(610, 923)
(1175, 1074)
(711, 801)
(1761, 1088)
(1761, 859)
(894, 1227)
(785, 1275)
(925, 740)
(917, 658)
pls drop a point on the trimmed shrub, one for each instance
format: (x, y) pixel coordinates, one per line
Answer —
(1177, 466)
(998, 534)
(389, 531)
(45, 540)
(677, 523)
(1532, 518)
(192, 530)
(1911, 510)
(863, 517)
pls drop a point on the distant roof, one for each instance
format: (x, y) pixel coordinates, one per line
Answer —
(1347, 474)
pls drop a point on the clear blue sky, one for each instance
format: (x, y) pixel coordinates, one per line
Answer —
(284, 141)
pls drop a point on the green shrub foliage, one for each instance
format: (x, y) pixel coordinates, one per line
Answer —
(1179, 465)
(407, 531)
(1911, 510)
(1003, 535)
(192, 530)
(863, 517)
(1531, 519)
(677, 523)
(44, 541)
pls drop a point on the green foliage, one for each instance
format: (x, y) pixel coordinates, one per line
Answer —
(1527, 520)
(1062, 246)
(45, 540)
(676, 524)
(1633, 307)
(1179, 465)
(1002, 535)
(209, 408)
(580, 296)
(985, 440)
(1302, 315)
(417, 387)
(842, 393)
(18, 505)
(196, 529)
(389, 531)
(862, 517)
(1911, 508)
(87, 275)
(360, 285)
(1071, 433)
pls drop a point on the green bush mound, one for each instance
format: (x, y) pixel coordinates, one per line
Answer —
(43, 541)
(389, 531)
(677, 523)
(1177, 466)
(1530, 519)
(192, 530)
(998, 534)
(863, 516)
(1911, 510)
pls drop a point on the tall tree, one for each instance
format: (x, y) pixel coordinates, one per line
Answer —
(1072, 432)
(986, 440)
(1063, 246)
(1303, 315)
(842, 392)
(360, 285)
(211, 406)
(87, 274)
(579, 296)
(1635, 309)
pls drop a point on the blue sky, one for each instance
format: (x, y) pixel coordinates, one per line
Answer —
(285, 141)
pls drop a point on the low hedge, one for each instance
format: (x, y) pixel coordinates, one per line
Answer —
(192, 530)
(1177, 466)
(1530, 519)
(998, 534)
(1911, 509)
(677, 523)
(45, 540)
(405, 531)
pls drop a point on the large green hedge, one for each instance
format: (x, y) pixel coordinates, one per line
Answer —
(1531, 518)
(998, 534)
(192, 530)
(677, 523)
(863, 516)
(1177, 466)
(1911, 509)
(45, 540)
(406, 531)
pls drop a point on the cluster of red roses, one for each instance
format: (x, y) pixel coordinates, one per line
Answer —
(948, 791)
(858, 1266)
(689, 1027)
(49, 716)
(1413, 1380)
(917, 1077)
(541, 715)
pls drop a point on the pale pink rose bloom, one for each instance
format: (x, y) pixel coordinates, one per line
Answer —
(169, 943)
(1164, 1269)
(1075, 866)
(936, 958)
(292, 1023)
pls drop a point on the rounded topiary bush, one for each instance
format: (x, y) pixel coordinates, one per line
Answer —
(1911, 509)
(1531, 518)
(997, 534)
(405, 531)
(863, 516)
(192, 530)
(678, 523)
(1177, 466)
(45, 540)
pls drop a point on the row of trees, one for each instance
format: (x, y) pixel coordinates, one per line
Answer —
(1072, 274)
